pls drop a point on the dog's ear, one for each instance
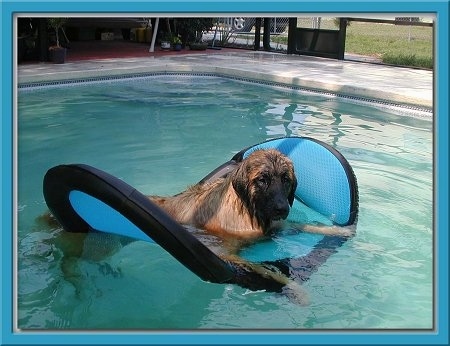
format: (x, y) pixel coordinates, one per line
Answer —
(240, 182)
(292, 191)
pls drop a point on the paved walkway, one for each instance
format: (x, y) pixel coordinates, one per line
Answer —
(413, 87)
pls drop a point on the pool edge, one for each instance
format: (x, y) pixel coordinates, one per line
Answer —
(233, 72)
(347, 92)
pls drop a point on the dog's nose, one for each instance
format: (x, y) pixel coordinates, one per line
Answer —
(282, 210)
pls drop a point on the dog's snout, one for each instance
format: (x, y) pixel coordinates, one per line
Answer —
(282, 209)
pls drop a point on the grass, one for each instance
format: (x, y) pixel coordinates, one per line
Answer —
(392, 44)
(398, 45)
(408, 60)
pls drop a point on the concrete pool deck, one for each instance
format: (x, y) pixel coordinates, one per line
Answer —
(396, 85)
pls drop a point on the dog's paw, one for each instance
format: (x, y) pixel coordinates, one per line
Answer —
(347, 231)
(296, 293)
(340, 231)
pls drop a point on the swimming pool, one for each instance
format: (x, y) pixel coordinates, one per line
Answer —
(162, 133)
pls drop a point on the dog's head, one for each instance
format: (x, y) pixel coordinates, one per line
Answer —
(265, 182)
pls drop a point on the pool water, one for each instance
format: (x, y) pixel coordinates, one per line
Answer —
(163, 133)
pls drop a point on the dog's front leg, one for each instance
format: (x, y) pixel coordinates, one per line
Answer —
(293, 290)
(341, 231)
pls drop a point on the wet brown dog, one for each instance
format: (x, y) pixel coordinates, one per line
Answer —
(249, 203)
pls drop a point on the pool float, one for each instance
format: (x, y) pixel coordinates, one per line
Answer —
(84, 199)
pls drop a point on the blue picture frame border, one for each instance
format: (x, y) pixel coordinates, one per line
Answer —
(439, 335)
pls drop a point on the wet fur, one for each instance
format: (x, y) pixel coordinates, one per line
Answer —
(243, 205)
(247, 204)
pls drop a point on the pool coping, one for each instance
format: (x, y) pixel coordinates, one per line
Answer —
(196, 65)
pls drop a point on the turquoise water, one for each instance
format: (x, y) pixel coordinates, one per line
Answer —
(160, 134)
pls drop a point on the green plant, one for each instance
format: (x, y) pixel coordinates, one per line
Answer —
(175, 39)
(191, 29)
(408, 60)
(167, 36)
(56, 24)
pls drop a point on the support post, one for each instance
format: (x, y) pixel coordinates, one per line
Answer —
(155, 31)
(257, 34)
(266, 36)
(341, 37)
(292, 30)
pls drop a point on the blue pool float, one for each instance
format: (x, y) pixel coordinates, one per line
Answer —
(83, 199)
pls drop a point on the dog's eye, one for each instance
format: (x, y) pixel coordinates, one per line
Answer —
(285, 179)
(262, 181)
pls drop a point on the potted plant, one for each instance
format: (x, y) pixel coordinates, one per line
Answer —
(176, 42)
(166, 42)
(57, 52)
(192, 29)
